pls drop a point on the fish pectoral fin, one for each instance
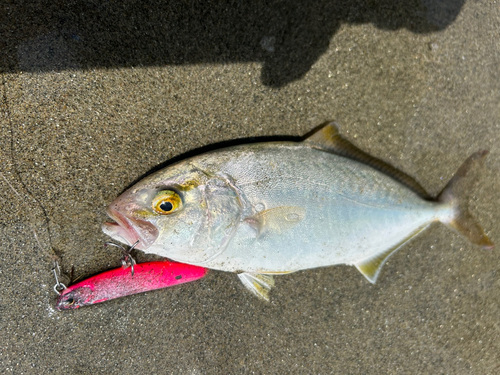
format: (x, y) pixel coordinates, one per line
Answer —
(328, 138)
(258, 284)
(370, 267)
(276, 220)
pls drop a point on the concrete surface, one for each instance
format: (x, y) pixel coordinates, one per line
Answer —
(96, 95)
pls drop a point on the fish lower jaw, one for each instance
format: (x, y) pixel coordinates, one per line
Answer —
(118, 233)
(129, 231)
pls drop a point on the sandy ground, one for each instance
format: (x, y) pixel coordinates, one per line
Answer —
(96, 95)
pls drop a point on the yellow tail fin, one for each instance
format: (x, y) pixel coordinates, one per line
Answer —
(456, 194)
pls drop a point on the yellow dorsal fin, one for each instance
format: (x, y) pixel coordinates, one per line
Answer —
(329, 139)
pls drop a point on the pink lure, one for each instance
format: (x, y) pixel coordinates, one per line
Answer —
(120, 282)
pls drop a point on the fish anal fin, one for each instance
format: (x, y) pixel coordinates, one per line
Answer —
(328, 138)
(370, 267)
(259, 284)
(276, 220)
(273, 273)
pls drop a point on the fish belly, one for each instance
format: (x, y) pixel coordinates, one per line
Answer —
(352, 211)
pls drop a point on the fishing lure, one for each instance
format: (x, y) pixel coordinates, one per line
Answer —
(121, 282)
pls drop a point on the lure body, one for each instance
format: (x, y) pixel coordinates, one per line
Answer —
(120, 282)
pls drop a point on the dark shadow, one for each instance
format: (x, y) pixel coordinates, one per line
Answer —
(286, 36)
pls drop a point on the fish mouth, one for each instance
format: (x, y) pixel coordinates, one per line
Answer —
(130, 230)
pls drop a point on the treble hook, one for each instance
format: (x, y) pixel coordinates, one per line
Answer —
(127, 260)
(59, 287)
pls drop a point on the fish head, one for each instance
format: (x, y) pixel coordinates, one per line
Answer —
(75, 298)
(180, 212)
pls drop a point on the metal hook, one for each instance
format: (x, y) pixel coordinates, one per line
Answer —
(127, 260)
(59, 287)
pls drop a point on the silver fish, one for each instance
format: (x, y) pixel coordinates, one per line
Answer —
(279, 207)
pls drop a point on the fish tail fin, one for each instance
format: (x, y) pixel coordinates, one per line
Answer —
(456, 195)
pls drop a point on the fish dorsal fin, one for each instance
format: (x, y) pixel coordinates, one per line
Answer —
(258, 284)
(328, 138)
(370, 267)
(276, 220)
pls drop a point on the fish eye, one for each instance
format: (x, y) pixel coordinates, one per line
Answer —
(70, 301)
(166, 202)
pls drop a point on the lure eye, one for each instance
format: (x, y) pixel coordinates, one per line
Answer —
(166, 202)
(70, 301)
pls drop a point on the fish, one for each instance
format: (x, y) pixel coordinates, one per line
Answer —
(273, 208)
(121, 282)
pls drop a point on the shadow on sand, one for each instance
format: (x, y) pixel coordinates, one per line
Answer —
(287, 37)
